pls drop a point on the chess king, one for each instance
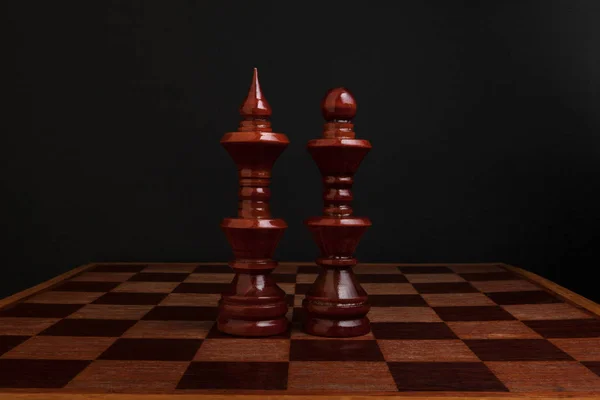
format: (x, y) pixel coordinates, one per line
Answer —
(336, 305)
(253, 305)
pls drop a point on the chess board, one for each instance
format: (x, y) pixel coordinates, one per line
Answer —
(487, 330)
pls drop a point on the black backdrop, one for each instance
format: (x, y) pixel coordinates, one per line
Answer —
(484, 119)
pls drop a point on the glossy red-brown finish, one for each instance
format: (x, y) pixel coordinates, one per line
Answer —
(253, 305)
(336, 305)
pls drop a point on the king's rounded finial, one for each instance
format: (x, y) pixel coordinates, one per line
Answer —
(255, 105)
(338, 105)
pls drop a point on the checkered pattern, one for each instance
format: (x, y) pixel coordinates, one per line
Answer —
(458, 328)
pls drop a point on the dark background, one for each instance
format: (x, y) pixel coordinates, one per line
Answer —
(484, 119)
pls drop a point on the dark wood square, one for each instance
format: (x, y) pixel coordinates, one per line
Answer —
(80, 286)
(516, 350)
(382, 278)
(158, 277)
(152, 349)
(412, 330)
(119, 268)
(89, 327)
(397, 300)
(302, 288)
(338, 350)
(289, 299)
(528, 297)
(594, 366)
(298, 315)
(215, 333)
(312, 269)
(568, 328)
(284, 278)
(444, 287)
(38, 373)
(124, 298)
(490, 276)
(8, 342)
(445, 376)
(473, 313)
(182, 313)
(202, 288)
(426, 270)
(39, 310)
(213, 269)
(235, 375)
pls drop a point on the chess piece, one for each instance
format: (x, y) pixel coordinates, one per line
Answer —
(253, 305)
(336, 305)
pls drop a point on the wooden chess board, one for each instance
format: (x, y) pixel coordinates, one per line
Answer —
(123, 330)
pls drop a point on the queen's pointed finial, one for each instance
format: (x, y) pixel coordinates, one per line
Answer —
(255, 106)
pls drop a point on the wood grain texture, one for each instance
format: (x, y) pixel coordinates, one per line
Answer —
(43, 286)
(403, 314)
(111, 311)
(169, 329)
(457, 299)
(139, 376)
(56, 297)
(581, 349)
(526, 312)
(146, 287)
(61, 348)
(232, 350)
(103, 277)
(426, 350)
(552, 378)
(493, 330)
(316, 395)
(191, 299)
(535, 376)
(505, 286)
(565, 293)
(332, 376)
(428, 278)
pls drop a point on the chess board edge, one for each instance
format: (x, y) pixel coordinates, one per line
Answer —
(32, 393)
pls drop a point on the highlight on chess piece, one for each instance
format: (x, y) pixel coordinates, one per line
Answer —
(253, 305)
(336, 305)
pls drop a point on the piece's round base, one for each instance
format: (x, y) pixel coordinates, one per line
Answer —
(337, 328)
(239, 327)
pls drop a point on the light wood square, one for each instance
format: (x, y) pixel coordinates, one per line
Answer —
(550, 376)
(146, 287)
(64, 297)
(111, 311)
(492, 330)
(209, 278)
(24, 326)
(260, 350)
(531, 312)
(129, 376)
(403, 314)
(306, 278)
(336, 376)
(61, 348)
(103, 277)
(389, 288)
(175, 268)
(457, 299)
(518, 285)
(433, 278)
(169, 330)
(191, 299)
(426, 350)
(581, 349)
